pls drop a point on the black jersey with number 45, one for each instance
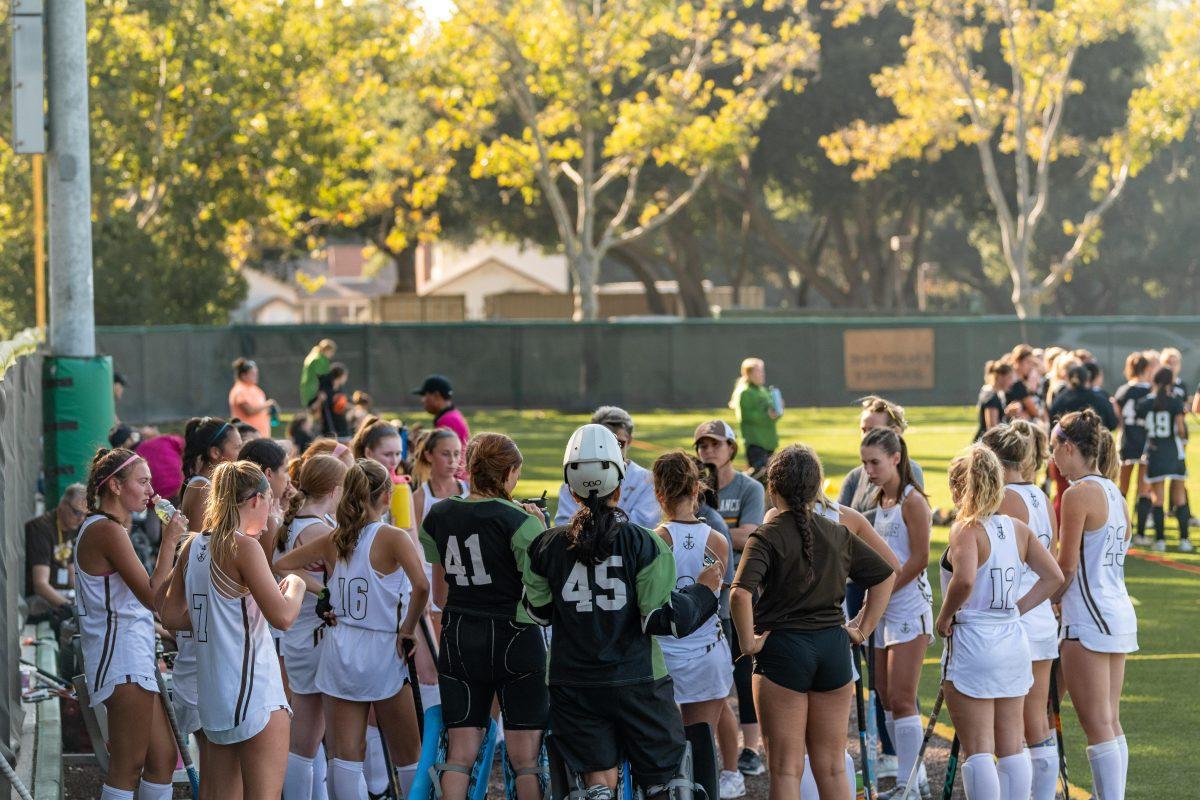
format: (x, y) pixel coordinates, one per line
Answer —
(597, 610)
(483, 546)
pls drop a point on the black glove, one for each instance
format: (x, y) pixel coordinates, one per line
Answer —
(324, 604)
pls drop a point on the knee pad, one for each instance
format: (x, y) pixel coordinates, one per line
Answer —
(682, 786)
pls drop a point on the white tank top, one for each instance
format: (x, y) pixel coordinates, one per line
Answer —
(1096, 596)
(688, 540)
(431, 501)
(993, 599)
(116, 631)
(915, 597)
(362, 598)
(828, 509)
(1037, 507)
(302, 629)
(184, 671)
(238, 670)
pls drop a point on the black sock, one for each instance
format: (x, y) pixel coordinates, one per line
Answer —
(1160, 523)
(1183, 514)
(1143, 511)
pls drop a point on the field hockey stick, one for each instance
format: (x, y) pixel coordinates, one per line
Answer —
(49, 677)
(867, 776)
(393, 780)
(872, 713)
(910, 785)
(410, 659)
(951, 769)
(6, 769)
(184, 752)
(1056, 717)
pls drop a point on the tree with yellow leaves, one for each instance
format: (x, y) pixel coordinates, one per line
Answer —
(612, 113)
(944, 96)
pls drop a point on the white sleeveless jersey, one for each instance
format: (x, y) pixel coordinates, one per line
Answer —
(914, 598)
(829, 510)
(688, 541)
(184, 672)
(238, 670)
(1096, 596)
(994, 596)
(361, 597)
(1039, 622)
(116, 631)
(431, 501)
(301, 632)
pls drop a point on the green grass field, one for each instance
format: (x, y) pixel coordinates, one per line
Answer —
(1161, 702)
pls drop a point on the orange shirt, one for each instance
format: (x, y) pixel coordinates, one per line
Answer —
(251, 395)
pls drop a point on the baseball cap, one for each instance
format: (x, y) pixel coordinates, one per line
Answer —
(435, 383)
(715, 429)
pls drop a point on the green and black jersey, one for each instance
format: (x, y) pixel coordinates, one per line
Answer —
(597, 610)
(483, 545)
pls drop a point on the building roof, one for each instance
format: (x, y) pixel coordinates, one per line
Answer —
(441, 283)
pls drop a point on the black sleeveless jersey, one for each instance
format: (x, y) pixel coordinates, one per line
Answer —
(483, 546)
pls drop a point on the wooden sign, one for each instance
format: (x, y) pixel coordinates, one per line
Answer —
(881, 359)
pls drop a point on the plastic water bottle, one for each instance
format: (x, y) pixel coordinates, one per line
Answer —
(166, 512)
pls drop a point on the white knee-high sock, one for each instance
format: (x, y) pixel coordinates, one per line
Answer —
(346, 780)
(980, 779)
(320, 767)
(1016, 776)
(851, 780)
(154, 791)
(406, 775)
(375, 767)
(109, 793)
(907, 738)
(889, 724)
(1044, 762)
(1124, 745)
(298, 780)
(808, 782)
(1105, 759)
(431, 695)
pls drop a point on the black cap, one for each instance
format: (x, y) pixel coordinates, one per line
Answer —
(119, 435)
(119, 378)
(436, 383)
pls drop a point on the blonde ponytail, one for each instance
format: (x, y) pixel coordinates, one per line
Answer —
(978, 480)
(233, 483)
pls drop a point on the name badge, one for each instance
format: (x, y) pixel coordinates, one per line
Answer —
(61, 576)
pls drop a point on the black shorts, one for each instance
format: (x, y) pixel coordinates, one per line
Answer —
(594, 726)
(1133, 444)
(806, 661)
(481, 658)
(758, 457)
(1165, 460)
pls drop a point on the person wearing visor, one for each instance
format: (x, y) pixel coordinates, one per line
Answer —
(607, 586)
(637, 484)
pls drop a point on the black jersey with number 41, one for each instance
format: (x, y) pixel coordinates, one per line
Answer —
(483, 546)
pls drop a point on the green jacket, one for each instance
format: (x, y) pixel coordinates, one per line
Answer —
(753, 407)
(315, 365)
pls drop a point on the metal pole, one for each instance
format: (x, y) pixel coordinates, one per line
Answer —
(39, 238)
(72, 318)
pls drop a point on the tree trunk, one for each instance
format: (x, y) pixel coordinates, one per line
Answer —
(586, 269)
(638, 264)
(406, 270)
(683, 258)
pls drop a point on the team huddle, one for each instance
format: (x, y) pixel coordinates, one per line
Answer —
(340, 636)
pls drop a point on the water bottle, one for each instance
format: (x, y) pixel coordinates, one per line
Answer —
(777, 400)
(166, 512)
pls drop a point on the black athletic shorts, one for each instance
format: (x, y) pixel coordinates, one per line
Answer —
(758, 457)
(806, 661)
(594, 726)
(481, 658)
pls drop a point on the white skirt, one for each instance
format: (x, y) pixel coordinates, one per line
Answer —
(701, 675)
(360, 664)
(187, 716)
(988, 661)
(899, 630)
(302, 661)
(1099, 642)
(102, 693)
(252, 726)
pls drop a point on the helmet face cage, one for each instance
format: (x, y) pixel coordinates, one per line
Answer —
(593, 465)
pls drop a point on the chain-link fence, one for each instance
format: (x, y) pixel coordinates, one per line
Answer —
(175, 372)
(20, 462)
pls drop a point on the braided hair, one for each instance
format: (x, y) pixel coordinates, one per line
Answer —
(795, 476)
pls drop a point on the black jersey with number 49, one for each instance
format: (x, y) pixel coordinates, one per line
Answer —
(598, 609)
(483, 546)
(1164, 450)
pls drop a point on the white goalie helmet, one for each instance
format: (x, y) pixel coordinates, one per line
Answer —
(593, 464)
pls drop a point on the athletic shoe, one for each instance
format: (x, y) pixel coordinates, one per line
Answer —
(599, 793)
(732, 784)
(750, 762)
(897, 792)
(886, 766)
(1159, 546)
(1185, 546)
(1140, 541)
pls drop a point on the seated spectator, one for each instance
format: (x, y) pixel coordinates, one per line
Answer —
(49, 550)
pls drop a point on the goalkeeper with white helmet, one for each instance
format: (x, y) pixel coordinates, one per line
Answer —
(606, 586)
